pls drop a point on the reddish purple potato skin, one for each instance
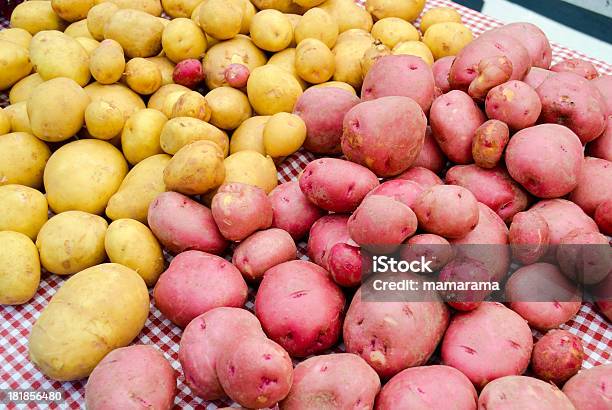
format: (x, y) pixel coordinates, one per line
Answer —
(577, 66)
(292, 211)
(196, 282)
(323, 110)
(345, 264)
(533, 39)
(464, 270)
(543, 296)
(401, 190)
(300, 307)
(604, 85)
(553, 175)
(515, 103)
(585, 257)
(431, 156)
(529, 237)
(324, 234)
(321, 185)
(263, 250)
(237, 75)
(428, 387)
(341, 380)
(603, 217)
(421, 176)
(181, 223)
(433, 247)
(602, 146)
(487, 343)
(386, 135)
(590, 388)
(536, 76)
(522, 393)
(400, 75)
(594, 184)
(562, 217)
(130, 378)
(204, 339)
(441, 69)
(454, 118)
(490, 140)
(557, 356)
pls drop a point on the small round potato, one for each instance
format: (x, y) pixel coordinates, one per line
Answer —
(103, 120)
(181, 131)
(314, 62)
(140, 135)
(250, 167)
(142, 76)
(192, 104)
(180, 8)
(5, 122)
(22, 90)
(158, 99)
(447, 39)
(393, 30)
(272, 89)
(78, 29)
(18, 36)
(15, 63)
(55, 54)
(439, 15)
(283, 134)
(118, 94)
(97, 17)
(35, 16)
(415, 48)
(19, 268)
(107, 62)
(138, 33)
(72, 10)
(195, 169)
(72, 241)
(229, 107)
(239, 50)
(22, 209)
(249, 136)
(406, 9)
(183, 39)
(271, 30)
(221, 19)
(18, 115)
(317, 23)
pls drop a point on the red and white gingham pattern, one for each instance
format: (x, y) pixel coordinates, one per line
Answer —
(16, 371)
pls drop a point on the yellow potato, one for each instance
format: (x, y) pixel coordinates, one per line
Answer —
(317, 23)
(348, 52)
(355, 34)
(54, 54)
(314, 61)
(88, 44)
(414, 48)
(103, 120)
(22, 159)
(140, 135)
(181, 131)
(71, 241)
(192, 104)
(117, 94)
(447, 39)
(97, 17)
(138, 33)
(18, 36)
(107, 62)
(229, 107)
(78, 29)
(180, 8)
(166, 68)
(22, 90)
(294, 19)
(152, 7)
(35, 16)
(183, 39)
(97, 310)
(285, 6)
(439, 15)
(130, 243)
(221, 19)
(348, 15)
(247, 17)
(19, 268)
(143, 76)
(22, 209)
(393, 30)
(250, 167)
(158, 99)
(170, 101)
(18, 114)
(283, 134)
(271, 30)
(56, 109)
(337, 84)
(308, 3)
(272, 89)
(83, 175)
(372, 54)
(249, 136)
(15, 62)
(72, 10)
(195, 169)
(5, 122)
(286, 60)
(405, 9)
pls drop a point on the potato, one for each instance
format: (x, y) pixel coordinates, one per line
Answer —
(314, 61)
(65, 340)
(283, 134)
(195, 169)
(601, 147)
(166, 68)
(181, 131)
(221, 19)
(72, 10)
(529, 237)
(55, 54)
(563, 217)
(431, 156)
(585, 257)
(180, 8)
(523, 392)
(249, 135)
(16, 63)
(406, 192)
(325, 233)
(441, 70)
(139, 188)
(271, 30)
(405, 9)
(5, 122)
(18, 36)
(318, 24)
(414, 48)
(348, 53)
(587, 195)
(103, 120)
(19, 268)
(142, 76)
(393, 30)
(183, 39)
(140, 135)
(71, 169)
(117, 94)
(286, 60)
(107, 62)
(191, 104)
(557, 356)
(262, 251)
(239, 50)
(489, 142)
(88, 44)
(604, 85)
(271, 90)
(36, 16)
(372, 55)
(293, 212)
(434, 247)
(78, 29)
(514, 103)
(229, 107)
(584, 389)
(421, 176)
(22, 159)
(348, 15)
(447, 39)
(97, 17)
(152, 7)
(138, 33)
(170, 102)
(439, 386)
(536, 76)
(437, 15)
(18, 116)
(22, 209)
(533, 39)
(603, 217)
(22, 90)
(577, 66)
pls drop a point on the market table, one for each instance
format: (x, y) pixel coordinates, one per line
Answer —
(17, 372)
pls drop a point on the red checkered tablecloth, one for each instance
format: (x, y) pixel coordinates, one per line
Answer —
(16, 371)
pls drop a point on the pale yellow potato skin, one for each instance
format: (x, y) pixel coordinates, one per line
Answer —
(271, 89)
(249, 136)
(248, 12)
(271, 30)
(447, 39)
(195, 169)
(71, 241)
(319, 24)
(18, 115)
(229, 107)
(393, 30)
(180, 8)
(22, 159)
(181, 131)
(5, 122)
(97, 17)
(183, 39)
(22, 209)
(414, 48)
(72, 10)
(192, 104)
(18, 36)
(19, 268)
(117, 94)
(337, 84)
(107, 62)
(250, 167)
(16, 63)
(35, 16)
(140, 135)
(283, 134)
(170, 102)
(97, 310)
(152, 7)
(439, 15)
(348, 51)
(138, 33)
(348, 15)
(88, 44)
(157, 100)
(103, 120)
(78, 29)
(286, 60)
(314, 61)
(221, 19)
(405, 9)
(83, 175)
(166, 68)
(130, 243)
(142, 76)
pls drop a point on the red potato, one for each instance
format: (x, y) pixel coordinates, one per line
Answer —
(602, 295)
(435, 216)
(300, 307)
(205, 338)
(557, 356)
(493, 187)
(454, 118)
(594, 184)
(241, 209)
(400, 75)
(292, 211)
(196, 282)
(401, 190)
(432, 247)
(604, 85)
(585, 257)
(563, 217)
(490, 140)
(601, 147)
(189, 73)
(492, 71)
(385, 135)
(515, 103)
(333, 381)
(522, 393)
(263, 250)
(181, 223)
(545, 176)
(421, 176)
(529, 237)
(603, 217)
(391, 335)
(536, 76)
(487, 343)
(588, 390)
(237, 75)
(577, 66)
(323, 110)
(380, 224)
(132, 377)
(431, 156)
(465, 270)
(533, 39)
(345, 264)
(441, 69)
(324, 235)
(543, 296)
(320, 184)
(570, 100)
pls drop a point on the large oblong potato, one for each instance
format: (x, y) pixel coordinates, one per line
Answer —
(97, 310)
(251, 167)
(22, 159)
(35, 16)
(181, 131)
(183, 39)
(19, 268)
(195, 169)
(271, 89)
(15, 63)
(138, 33)
(239, 50)
(22, 209)
(107, 62)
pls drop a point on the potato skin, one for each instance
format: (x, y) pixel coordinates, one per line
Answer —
(307, 52)
(422, 176)
(183, 39)
(325, 233)
(22, 89)
(181, 131)
(490, 140)
(229, 107)
(529, 237)
(107, 62)
(16, 63)
(117, 94)
(441, 69)
(319, 24)
(139, 33)
(292, 211)
(249, 135)
(65, 340)
(271, 89)
(562, 217)
(262, 251)
(533, 39)
(584, 389)
(22, 209)
(524, 393)
(601, 147)
(140, 135)
(19, 268)
(36, 16)
(447, 39)
(250, 167)
(587, 195)
(49, 48)
(557, 356)
(393, 30)
(514, 103)
(195, 169)
(221, 55)
(22, 159)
